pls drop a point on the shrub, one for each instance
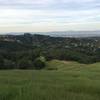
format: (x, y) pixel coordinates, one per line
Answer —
(8, 64)
(39, 62)
(25, 64)
(1, 63)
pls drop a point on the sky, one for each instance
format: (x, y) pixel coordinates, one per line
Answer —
(49, 15)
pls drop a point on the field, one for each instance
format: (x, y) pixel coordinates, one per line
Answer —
(59, 81)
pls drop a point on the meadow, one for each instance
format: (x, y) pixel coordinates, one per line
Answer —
(60, 80)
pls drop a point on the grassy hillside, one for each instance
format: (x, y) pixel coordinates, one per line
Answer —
(66, 81)
(72, 66)
(63, 65)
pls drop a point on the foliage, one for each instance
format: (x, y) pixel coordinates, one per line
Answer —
(22, 51)
(39, 63)
(25, 64)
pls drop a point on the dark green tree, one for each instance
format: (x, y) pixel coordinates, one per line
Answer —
(39, 62)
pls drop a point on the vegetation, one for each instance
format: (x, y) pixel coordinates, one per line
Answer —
(25, 51)
(71, 81)
(70, 68)
(39, 63)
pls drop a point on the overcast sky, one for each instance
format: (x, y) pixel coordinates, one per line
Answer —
(49, 15)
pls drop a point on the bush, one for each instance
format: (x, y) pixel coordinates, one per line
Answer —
(1, 63)
(39, 63)
(25, 64)
(8, 64)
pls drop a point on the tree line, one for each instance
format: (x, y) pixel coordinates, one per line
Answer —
(33, 51)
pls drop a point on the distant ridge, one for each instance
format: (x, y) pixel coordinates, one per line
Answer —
(75, 34)
(62, 33)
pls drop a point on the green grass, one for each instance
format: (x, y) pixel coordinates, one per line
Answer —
(59, 81)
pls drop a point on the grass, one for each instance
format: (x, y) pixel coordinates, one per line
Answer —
(66, 81)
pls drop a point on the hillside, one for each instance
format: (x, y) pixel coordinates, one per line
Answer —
(20, 51)
(71, 66)
(71, 81)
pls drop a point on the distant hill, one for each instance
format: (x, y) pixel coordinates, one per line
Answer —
(76, 34)
(63, 33)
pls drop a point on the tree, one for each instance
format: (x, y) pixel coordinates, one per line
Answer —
(1, 62)
(25, 64)
(8, 64)
(39, 62)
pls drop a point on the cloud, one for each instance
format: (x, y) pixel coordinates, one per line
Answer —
(50, 13)
(49, 4)
(77, 1)
(20, 1)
